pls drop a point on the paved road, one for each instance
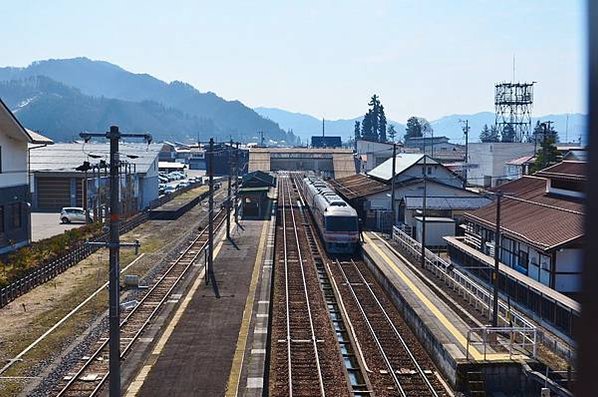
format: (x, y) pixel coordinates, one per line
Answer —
(44, 225)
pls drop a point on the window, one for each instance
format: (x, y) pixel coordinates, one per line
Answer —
(429, 170)
(16, 215)
(341, 224)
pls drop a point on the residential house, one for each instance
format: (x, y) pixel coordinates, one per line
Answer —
(541, 224)
(486, 161)
(15, 198)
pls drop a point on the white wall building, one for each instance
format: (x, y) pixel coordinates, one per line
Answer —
(486, 161)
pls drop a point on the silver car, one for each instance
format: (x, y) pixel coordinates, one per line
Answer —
(73, 215)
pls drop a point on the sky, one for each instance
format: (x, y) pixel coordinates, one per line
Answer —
(428, 58)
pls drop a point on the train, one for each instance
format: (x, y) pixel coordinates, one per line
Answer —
(336, 220)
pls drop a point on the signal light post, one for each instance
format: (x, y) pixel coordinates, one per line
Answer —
(210, 212)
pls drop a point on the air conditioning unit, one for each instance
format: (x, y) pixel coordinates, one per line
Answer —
(489, 248)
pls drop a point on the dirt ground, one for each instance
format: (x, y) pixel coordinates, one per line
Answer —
(29, 316)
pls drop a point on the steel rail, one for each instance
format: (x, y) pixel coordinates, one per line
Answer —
(396, 331)
(92, 359)
(302, 267)
(371, 329)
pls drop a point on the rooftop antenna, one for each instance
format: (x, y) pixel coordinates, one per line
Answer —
(513, 67)
(322, 126)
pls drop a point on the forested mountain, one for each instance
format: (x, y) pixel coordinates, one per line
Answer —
(175, 109)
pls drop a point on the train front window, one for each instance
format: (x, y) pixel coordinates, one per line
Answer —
(341, 224)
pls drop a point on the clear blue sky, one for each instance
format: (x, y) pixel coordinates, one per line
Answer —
(423, 57)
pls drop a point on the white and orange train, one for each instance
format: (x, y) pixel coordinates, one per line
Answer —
(336, 220)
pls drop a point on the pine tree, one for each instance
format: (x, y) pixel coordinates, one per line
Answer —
(413, 128)
(547, 155)
(508, 134)
(375, 109)
(366, 127)
(391, 132)
(357, 130)
(489, 134)
(382, 125)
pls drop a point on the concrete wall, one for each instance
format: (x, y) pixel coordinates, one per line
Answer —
(489, 159)
(149, 190)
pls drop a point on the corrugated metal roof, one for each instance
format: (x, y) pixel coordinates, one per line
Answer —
(356, 186)
(521, 160)
(531, 215)
(65, 157)
(446, 203)
(567, 169)
(404, 161)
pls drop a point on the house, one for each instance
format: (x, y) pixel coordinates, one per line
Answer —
(541, 224)
(372, 154)
(371, 194)
(486, 161)
(437, 147)
(516, 168)
(15, 198)
(58, 183)
(257, 195)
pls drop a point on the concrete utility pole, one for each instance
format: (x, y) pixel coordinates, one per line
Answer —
(210, 211)
(495, 273)
(466, 132)
(236, 182)
(229, 190)
(392, 184)
(424, 198)
(114, 244)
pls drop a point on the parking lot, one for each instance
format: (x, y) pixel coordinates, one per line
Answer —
(44, 225)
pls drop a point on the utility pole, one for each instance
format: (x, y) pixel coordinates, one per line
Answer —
(392, 194)
(466, 132)
(114, 244)
(496, 261)
(424, 198)
(210, 211)
(229, 191)
(236, 182)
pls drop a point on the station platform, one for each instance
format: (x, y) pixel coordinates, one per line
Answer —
(437, 325)
(201, 347)
(174, 207)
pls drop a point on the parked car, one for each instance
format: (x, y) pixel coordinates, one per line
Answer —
(169, 190)
(182, 185)
(74, 215)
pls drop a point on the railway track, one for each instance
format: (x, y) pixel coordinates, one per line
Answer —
(88, 378)
(398, 355)
(306, 361)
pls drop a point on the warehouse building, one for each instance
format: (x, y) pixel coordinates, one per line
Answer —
(57, 183)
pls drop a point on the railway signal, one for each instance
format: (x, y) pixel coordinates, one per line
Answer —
(114, 244)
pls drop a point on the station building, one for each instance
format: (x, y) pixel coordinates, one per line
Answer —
(257, 195)
(16, 142)
(370, 194)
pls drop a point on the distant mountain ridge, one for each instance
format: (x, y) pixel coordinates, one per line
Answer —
(100, 79)
(570, 126)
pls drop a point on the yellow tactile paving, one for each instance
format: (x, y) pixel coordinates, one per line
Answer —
(235, 372)
(442, 319)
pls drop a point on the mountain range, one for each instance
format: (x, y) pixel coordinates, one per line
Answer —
(62, 97)
(570, 126)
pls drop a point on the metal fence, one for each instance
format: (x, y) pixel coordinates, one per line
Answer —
(478, 295)
(48, 271)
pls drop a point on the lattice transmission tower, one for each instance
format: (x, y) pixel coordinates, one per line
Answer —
(513, 103)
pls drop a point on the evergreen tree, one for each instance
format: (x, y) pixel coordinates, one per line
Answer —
(375, 109)
(413, 129)
(489, 134)
(382, 125)
(391, 132)
(508, 134)
(547, 155)
(357, 130)
(425, 127)
(366, 127)
(542, 130)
